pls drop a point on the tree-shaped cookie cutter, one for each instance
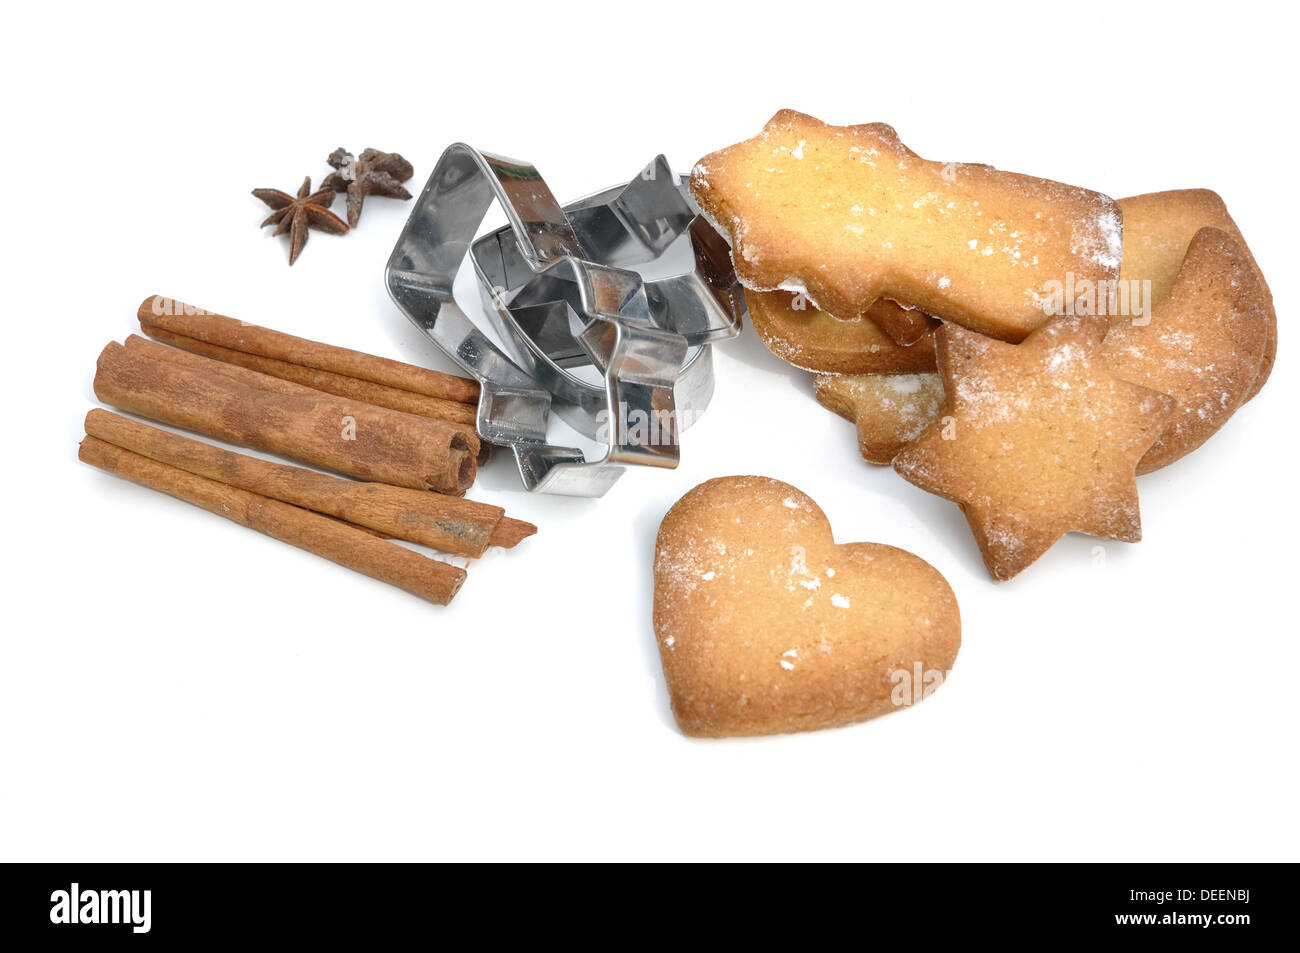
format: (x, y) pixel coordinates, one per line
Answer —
(557, 284)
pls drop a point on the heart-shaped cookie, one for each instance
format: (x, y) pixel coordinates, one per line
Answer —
(765, 625)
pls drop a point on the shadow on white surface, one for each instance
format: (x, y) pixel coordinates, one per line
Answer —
(645, 529)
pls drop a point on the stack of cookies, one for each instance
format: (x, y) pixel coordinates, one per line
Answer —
(1019, 346)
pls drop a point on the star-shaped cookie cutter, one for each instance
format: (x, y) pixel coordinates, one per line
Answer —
(558, 283)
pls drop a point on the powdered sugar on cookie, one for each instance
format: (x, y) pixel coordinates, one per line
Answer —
(771, 643)
(851, 215)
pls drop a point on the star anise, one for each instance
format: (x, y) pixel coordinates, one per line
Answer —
(295, 215)
(371, 173)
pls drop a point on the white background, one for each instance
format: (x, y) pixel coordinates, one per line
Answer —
(173, 686)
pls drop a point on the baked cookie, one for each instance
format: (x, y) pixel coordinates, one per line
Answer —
(815, 341)
(1203, 344)
(890, 410)
(765, 625)
(848, 214)
(904, 324)
(1206, 342)
(1038, 439)
(1158, 228)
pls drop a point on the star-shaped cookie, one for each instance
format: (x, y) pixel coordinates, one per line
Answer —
(1038, 440)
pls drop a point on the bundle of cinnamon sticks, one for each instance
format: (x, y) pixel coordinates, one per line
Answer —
(408, 432)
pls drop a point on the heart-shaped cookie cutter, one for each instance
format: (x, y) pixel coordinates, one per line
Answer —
(557, 283)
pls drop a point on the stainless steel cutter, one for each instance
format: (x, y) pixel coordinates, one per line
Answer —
(609, 305)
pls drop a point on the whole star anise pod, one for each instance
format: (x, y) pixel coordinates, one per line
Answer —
(371, 173)
(295, 215)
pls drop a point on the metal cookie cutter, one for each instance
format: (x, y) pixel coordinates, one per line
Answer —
(557, 284)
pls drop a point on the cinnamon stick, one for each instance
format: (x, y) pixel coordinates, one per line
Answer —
(257, 379)
(340, 385)
(510, 532)
(334, 540)
(179, 318)
(241, 375)
(348, 437)
(448, 523)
